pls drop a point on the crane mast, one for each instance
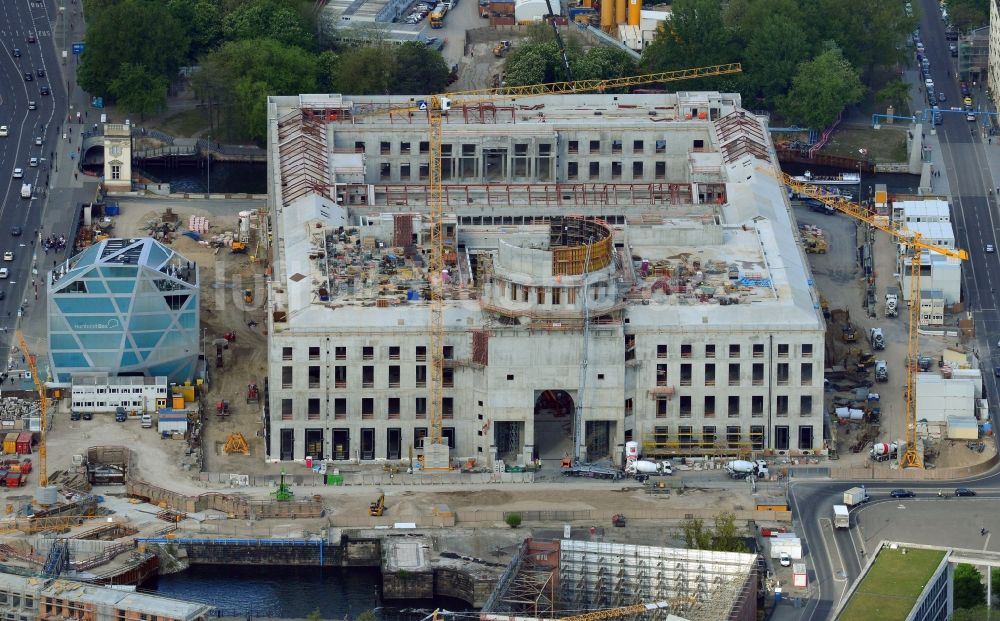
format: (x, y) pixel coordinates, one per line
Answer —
(43, 473)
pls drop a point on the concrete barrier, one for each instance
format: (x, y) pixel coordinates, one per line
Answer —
(913, 474)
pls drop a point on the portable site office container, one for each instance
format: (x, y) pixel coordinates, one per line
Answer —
(10, 443)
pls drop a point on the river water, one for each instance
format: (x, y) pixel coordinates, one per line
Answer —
(227, 177)
(292, 592)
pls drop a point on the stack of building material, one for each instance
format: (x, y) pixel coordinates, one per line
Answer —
(198, 224)
(14, 408)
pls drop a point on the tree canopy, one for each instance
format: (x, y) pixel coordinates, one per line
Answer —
(240, 75)
(969, 589)
(154, 40)
(821, 89)
(138, 90)
(724, 538)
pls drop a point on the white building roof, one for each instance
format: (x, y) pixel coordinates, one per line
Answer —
(923, 211)
(940, 233)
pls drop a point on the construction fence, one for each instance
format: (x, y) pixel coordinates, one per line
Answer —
(879, 473)
(312, 479)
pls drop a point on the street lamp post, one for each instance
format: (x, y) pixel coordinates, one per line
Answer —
(208, 155)
(863, 153)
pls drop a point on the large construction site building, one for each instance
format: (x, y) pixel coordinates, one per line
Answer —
(619, 267)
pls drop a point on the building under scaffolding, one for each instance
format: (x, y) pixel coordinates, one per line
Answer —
(617, 268)
(553, 579)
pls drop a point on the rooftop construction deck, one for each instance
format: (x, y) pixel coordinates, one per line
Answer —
(551, 579)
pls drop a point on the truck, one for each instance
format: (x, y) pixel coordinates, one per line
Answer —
(25, 190)
(856, 496)
(881, 371)
(891, 302)
(819, 206)
(877, 339)
(643, 468)
(883, 451)
(437, 17)
(741, 468)
(841, 518)
(592, 471)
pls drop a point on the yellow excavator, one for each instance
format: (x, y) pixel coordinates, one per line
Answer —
(377, 508)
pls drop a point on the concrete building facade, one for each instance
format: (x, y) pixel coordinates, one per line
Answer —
(993, 51)
(124, 307)
(619, 268)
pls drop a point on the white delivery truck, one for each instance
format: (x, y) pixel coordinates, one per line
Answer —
(841, 518)
(855, 496)
(25, 190)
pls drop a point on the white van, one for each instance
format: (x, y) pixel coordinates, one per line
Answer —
(147, 421)
(25, 190)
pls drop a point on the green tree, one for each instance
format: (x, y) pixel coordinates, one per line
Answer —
(139, 91)
(315, 615)
(972, 614)
(367, 70)
(821, 89)
(696, 535)
(513, 520)
(968, 14)
(995, 579)
(153, 38)
(773, 40)
(694, 36)
(267, 19)
(527, 64)
(326, 70)
(895, 93)
(367, 615)
(603, 63)
(968, 585)
(726, 537)
(419, 69)
(870, 33)
(238, 76)
(202, 21)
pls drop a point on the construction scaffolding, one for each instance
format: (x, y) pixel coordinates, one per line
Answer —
(551, 579)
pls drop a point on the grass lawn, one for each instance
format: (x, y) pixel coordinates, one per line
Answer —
(887, 144)
(891, 587)
(183, 124)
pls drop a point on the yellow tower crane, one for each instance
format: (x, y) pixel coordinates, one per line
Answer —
(436, 108)
(911, 458)
(43, 473)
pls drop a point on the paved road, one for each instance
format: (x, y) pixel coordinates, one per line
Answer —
(57, 190)
(20, 20)
(838, 556)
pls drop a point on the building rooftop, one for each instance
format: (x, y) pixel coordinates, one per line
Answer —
(687, 262)
(931, 208)
(892, 584)
(141, 251)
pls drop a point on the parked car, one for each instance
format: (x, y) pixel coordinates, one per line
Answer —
(902, 493)
(74, 415)
(941, 97)
(964, 491)
(88, 416)
(785, 559)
